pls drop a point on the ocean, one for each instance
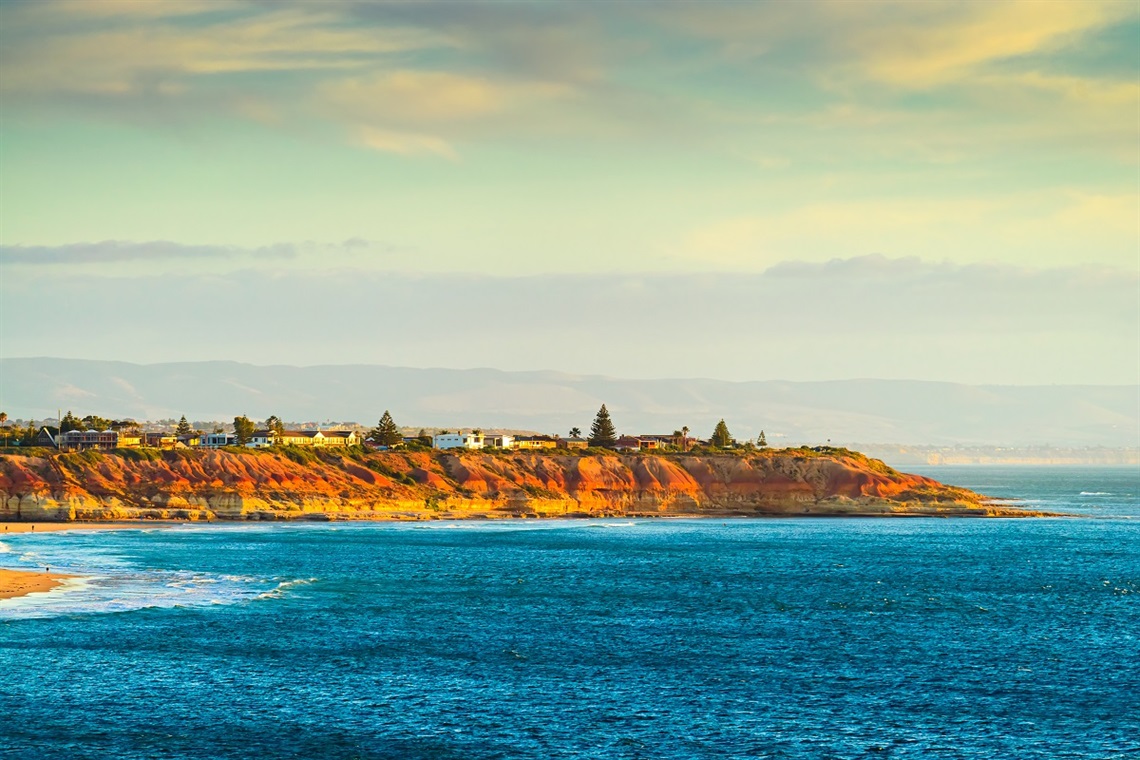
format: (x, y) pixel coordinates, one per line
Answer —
(772, 638)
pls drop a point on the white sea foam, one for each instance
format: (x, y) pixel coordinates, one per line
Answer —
(284, 586)
(1095, 493)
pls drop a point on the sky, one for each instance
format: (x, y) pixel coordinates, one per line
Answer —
(767, 190)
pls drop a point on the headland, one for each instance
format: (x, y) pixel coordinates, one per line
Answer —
(355, 484)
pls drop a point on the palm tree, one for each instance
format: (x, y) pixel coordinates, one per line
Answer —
(575, 432)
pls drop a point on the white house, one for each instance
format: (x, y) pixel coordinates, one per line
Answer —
(262, 439)
(457, 441)
(218, 440)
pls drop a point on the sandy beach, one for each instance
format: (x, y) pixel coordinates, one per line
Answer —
(15, 583)
(43, 527)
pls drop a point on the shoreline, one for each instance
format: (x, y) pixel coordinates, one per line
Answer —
(45, 526)
(18, 583)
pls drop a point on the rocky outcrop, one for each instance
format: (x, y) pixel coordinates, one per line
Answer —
(326, 485)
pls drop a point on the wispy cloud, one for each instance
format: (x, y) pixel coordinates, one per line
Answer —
(488, 69)
(113, 251)
(406, 143)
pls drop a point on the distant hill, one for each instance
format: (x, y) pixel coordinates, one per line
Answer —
(894, 411)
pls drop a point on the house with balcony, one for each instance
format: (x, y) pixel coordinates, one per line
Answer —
(84, 440)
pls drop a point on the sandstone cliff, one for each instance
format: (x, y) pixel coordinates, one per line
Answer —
(275, 485)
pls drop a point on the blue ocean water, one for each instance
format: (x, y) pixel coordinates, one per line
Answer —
(779, 638)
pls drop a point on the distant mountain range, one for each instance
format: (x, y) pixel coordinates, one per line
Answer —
(895, 411)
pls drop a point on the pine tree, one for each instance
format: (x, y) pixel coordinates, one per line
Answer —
(70, 422)
(602, 432)
(721, 438)
(762, 442)
(183, 427)
(386, 433)
(243, 429)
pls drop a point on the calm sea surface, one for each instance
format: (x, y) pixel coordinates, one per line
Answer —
(780, 638)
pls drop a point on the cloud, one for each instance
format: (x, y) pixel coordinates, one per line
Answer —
(925, 44)
(111, 251)
(406, 143)
(558, 70)
(1014, 227)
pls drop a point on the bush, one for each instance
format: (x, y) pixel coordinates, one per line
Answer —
(139, 455)
(299, 454)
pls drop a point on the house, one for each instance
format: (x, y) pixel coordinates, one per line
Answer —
(47, 437)
(318, 438)
(189, 441)
(498, 441)
(535, 442)
(627, 443)
(130, 440)
(573, 443)
(665, 440)
(301, 438)
(262, 439)
(160, 440)
(82, 440)
(218, 440)
(341, 438)
(457, 441)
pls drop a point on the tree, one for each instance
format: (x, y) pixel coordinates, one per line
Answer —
(70, 422)
(95, 422)
(386, 433)
(575, 432)
(243, 429)
(3, 418)
(183, 426)
(761, 441)
(274, 425)
(721, 438)
(602, 432)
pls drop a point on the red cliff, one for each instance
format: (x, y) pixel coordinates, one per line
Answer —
(331, 484)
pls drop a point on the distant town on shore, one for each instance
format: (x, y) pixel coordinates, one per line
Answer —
(72, 433)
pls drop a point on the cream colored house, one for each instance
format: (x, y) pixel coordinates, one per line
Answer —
(322, 438)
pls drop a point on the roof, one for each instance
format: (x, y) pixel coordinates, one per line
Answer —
(301, 434)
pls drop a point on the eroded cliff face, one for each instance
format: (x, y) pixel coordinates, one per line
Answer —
(269, 485)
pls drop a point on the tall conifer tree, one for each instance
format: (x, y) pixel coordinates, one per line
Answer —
(721, 438)
(183, 427)
(386, 433)
(602, 432)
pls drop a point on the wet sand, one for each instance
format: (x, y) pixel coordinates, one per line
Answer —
(15, 583)
(43, 527)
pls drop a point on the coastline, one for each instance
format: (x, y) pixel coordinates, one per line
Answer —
(17, 583)
(43, 526)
